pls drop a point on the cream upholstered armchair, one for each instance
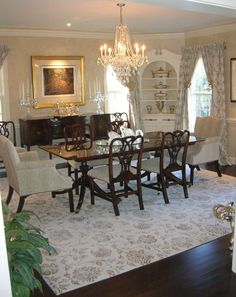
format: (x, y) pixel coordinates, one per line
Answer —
(28, 175)
(7, 129)
(207, 151)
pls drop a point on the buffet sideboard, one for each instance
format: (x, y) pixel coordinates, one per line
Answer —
(41, 131)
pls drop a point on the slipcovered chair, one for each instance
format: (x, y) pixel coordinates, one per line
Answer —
(171, 159)
(7, 129)
(119, 170)
(210, 129)
(28, 175)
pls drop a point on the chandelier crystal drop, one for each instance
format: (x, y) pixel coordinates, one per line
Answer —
(123, 58)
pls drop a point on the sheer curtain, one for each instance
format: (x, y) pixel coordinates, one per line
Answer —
(134, 101)
(3, 53)
(213, 59)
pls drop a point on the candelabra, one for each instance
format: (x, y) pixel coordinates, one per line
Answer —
(28, 103)
(99, 98)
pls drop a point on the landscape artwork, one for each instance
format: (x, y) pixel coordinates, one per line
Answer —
(58, 81)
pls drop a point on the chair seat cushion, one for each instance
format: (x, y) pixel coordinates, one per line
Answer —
(93, 163)
(102, 173)
(151, 165)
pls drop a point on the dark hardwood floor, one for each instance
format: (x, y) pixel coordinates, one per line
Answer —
(204, 271)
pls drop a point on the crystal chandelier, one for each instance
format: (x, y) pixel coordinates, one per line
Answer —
(123, 58)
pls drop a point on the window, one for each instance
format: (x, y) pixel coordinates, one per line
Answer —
(199, 95)
(4, 103)
(117, 94)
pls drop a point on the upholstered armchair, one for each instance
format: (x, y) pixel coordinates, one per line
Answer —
(7, 128)
(206, 151)
(28, 175)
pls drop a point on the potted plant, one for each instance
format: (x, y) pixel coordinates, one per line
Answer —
(24, 244)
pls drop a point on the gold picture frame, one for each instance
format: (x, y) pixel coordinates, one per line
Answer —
(58, 79)
(233, 79)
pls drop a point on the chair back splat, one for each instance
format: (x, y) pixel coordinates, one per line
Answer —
(7, 129)
(78, 137)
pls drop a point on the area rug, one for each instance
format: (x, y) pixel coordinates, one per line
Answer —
(95, 244)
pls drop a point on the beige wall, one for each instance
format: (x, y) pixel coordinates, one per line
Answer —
(230, 52)
(22, 48)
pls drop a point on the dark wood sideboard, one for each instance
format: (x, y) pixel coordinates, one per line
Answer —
(42, 131)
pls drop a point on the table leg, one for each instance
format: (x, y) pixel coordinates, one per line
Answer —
(83, 181)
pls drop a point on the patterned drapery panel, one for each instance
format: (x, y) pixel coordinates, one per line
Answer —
(3, 53)
(187, 65)
(213, 59)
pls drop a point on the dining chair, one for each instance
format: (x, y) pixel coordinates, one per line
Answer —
(209, 128)
(28, 175)
(7, 129)
(170, 160)
(119, 116)
(119, 173)
(79, 137)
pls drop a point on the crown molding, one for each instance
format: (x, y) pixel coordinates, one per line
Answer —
(76, 34)
(53, 33)
(211, 30)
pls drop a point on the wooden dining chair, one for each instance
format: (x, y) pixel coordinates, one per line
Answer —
(119, 116)
(119, 172)
(170, 161)
(79, 137)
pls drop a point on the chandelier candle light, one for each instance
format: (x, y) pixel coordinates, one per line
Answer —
(123, 58)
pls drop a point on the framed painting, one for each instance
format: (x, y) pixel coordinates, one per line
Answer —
(58, 80)
(233, 79)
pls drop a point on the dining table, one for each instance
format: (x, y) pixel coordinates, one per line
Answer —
(100, 150)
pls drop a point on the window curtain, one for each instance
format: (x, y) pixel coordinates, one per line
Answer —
(213, 59)
(3, 53)
(187, 65)
(134, 101)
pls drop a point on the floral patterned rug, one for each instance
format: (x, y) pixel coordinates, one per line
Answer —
(95, 244)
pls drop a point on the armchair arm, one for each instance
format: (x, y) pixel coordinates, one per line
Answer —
(37, 164)
(28, 156)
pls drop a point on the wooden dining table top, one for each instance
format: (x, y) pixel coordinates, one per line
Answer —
(100, 149)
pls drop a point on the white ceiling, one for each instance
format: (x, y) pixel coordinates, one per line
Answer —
(101, 16)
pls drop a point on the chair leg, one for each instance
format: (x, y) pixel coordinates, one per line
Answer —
(77, 185)
(163, 187)
(198, 168)
(69, 169)
(9, 195)
(140, 196)
(115, 207)
(185, 185)
(21, 203)
(191, 173)
(71, 200)
(218, 168)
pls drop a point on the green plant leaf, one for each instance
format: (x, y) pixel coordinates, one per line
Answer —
(25, 272)
(24, 242)
(27, 259)
(20, 290)
(40, 241)
(24, 246)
